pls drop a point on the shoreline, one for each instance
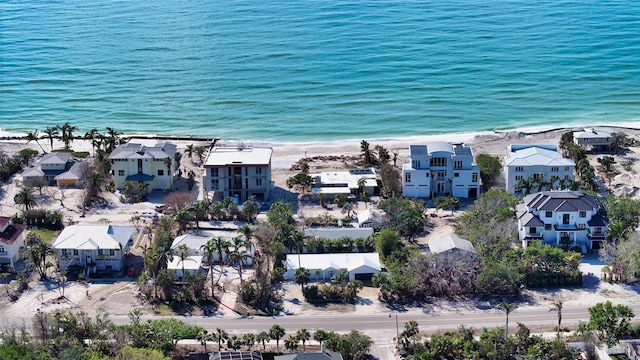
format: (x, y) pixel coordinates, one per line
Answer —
(287, 153)
(527, 130)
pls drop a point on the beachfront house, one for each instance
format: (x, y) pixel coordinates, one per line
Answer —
(95, 247)
(541, 167)
(239, 172)
(350, 182)
(12, 241)
(359, 266)
(594, 138)
(150, 166)
(562, 218)
(440, 169)
(56, 168)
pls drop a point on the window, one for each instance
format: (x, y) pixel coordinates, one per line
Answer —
(438, 161)
(455, 174)
(583, 214)
(2, 250)
(427, 174)
(457, 164)
(441, 174)
(258, 170)
(112, 252)
(160, 172)
(518, 177)
(597, 230)
(100, 252)
(75, 252)
(258, 182)
(215, 172)
(581, 226)
(407, 177)
(565, 219)
(519, 168)
(538, 177)
(548, 214)
(533, 230)
(64, 252)
(566, 168)
(120, 172)
(415, 164)
(215, 183)
(555, 169)
(474, 177)
(547, 226)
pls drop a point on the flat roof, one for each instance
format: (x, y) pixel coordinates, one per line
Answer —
(238, 155)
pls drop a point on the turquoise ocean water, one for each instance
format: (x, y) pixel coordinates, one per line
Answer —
(318, 70)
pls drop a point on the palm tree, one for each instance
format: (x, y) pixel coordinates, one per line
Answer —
(200, 150)
(177, 157)
(508, 309)
(526, 185)
(209, 250)
(37, 255)
(34, 136)
(291, 343)
(617, 141)
(276, 333)
(52, 132)
(183, 217)
(26, 198)
(222, 246)
(91, 135)
(220, 335)
(183, 254)
(320, 336)
(411, 331)
(304, 336)
(367, 154)
(557, 307)
(189, 151)
(66, 133)
(249, 339)
(237, 256)
(168, 163)
(262, 337)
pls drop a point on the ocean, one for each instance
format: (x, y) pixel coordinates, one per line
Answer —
(318, 70)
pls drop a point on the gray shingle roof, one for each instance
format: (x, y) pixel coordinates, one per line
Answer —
(562, 201)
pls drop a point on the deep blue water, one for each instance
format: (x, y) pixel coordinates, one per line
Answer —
(318, 69)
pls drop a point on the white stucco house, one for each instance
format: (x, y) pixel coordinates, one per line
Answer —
(540, 163)
(103, 246)
(141, 164)
(440, 169)
(12, 241)
(332, 183)
(360, 266)
(562, 218)
(239, 172)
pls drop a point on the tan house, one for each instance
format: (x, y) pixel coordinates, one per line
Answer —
(12, 241)
(148, 165)
(55, 168)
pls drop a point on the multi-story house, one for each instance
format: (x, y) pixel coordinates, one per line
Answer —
(562, 218)
(238, 172)
(439, 169)
(541, 165)
(152, 166)
(12, 241)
